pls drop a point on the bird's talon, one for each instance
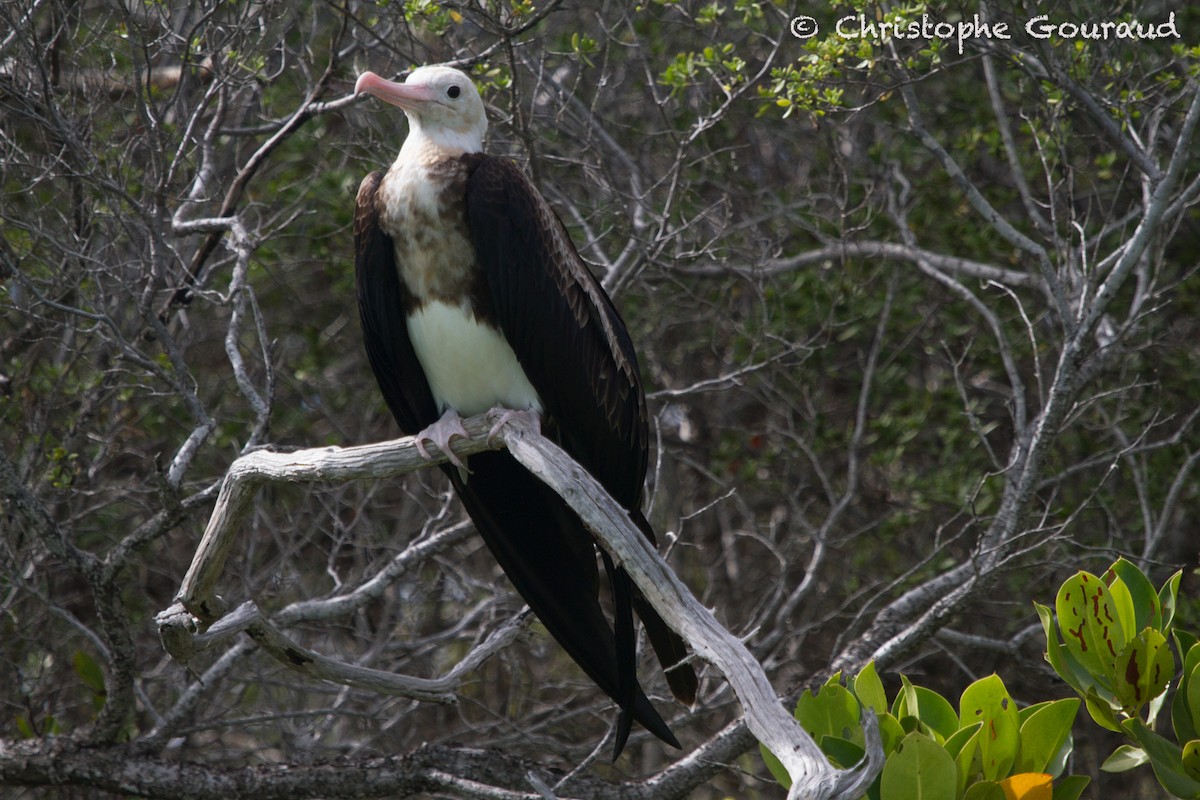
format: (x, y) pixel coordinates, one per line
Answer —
(503, 415)
(441, 433)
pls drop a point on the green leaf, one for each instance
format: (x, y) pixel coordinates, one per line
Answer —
(920, 769)
(1191, 693)
(891, 732)
(1184, 642)
(1025, 712)
(987, 701)
(1120, 596)
(1168, 596)
(906, 701)
(868, 688)
(1143, 670)
(1191, 759)
(832, 711)
(933, 711)
(1058, 765)
(1166, 758)
(1071, 787)
(775, 767)
(1090, 624)
(1101, 711)
(955, 744)
(985, 790)
(1125, 758)
(963, 747)
(89, 671)
(842, 753)
(1182, 720)
(1147, 610)
(24, 728)
(1059, 656)
(1185, 702)
(1043, 735)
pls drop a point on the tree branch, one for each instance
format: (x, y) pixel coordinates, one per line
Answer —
(812, 775)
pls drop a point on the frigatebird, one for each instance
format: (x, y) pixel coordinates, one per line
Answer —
(473, 298)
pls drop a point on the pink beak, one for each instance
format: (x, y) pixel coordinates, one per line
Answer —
(398, 94)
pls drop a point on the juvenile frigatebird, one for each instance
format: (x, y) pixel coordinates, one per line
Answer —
(473, 298)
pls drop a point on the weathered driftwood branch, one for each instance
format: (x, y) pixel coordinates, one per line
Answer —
(198, 605)
(184, 627)
(768, 720)
(248, 619)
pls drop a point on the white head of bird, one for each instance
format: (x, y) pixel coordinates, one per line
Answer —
(445, 112)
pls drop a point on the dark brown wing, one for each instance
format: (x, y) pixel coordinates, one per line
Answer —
(576, 351)
(382, 302)
(564, 329)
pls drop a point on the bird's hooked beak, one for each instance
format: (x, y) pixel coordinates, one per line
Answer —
(398, 94)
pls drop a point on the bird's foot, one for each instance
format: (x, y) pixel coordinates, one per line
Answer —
(502, 416)
(440, 433)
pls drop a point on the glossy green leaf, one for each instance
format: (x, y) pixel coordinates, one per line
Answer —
(832, 711)
(1181, 715)
(1143, 670)
(1125, 758)
(1168, 597)
(933, 711)
(1043, 735)
(1191, 692)
(1025, 712)
(842, 753)
(1059, 656)
(1071, 787)
(1120, 598)
(1147, 610)
(1166, 758)
(920, 769)
(868, 688)
(905, 699)
(987, 701)
(1101, 711)
(1186, 696)
(955, 744)
(1191, 759)
(775, 767)
(1091, 625)
(985, 790)
(890, 732)
(963, 747)
(1058, 765)
(1185, 643)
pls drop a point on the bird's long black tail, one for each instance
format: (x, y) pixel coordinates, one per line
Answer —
(667, 644)
(548, 554)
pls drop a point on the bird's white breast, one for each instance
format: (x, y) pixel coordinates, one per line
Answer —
(470, 367)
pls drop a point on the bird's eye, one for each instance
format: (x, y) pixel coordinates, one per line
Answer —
(453, 91)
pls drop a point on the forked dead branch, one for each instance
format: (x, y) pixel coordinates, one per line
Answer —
(199, 608)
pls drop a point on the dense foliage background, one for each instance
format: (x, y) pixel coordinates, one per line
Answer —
(919, 329)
